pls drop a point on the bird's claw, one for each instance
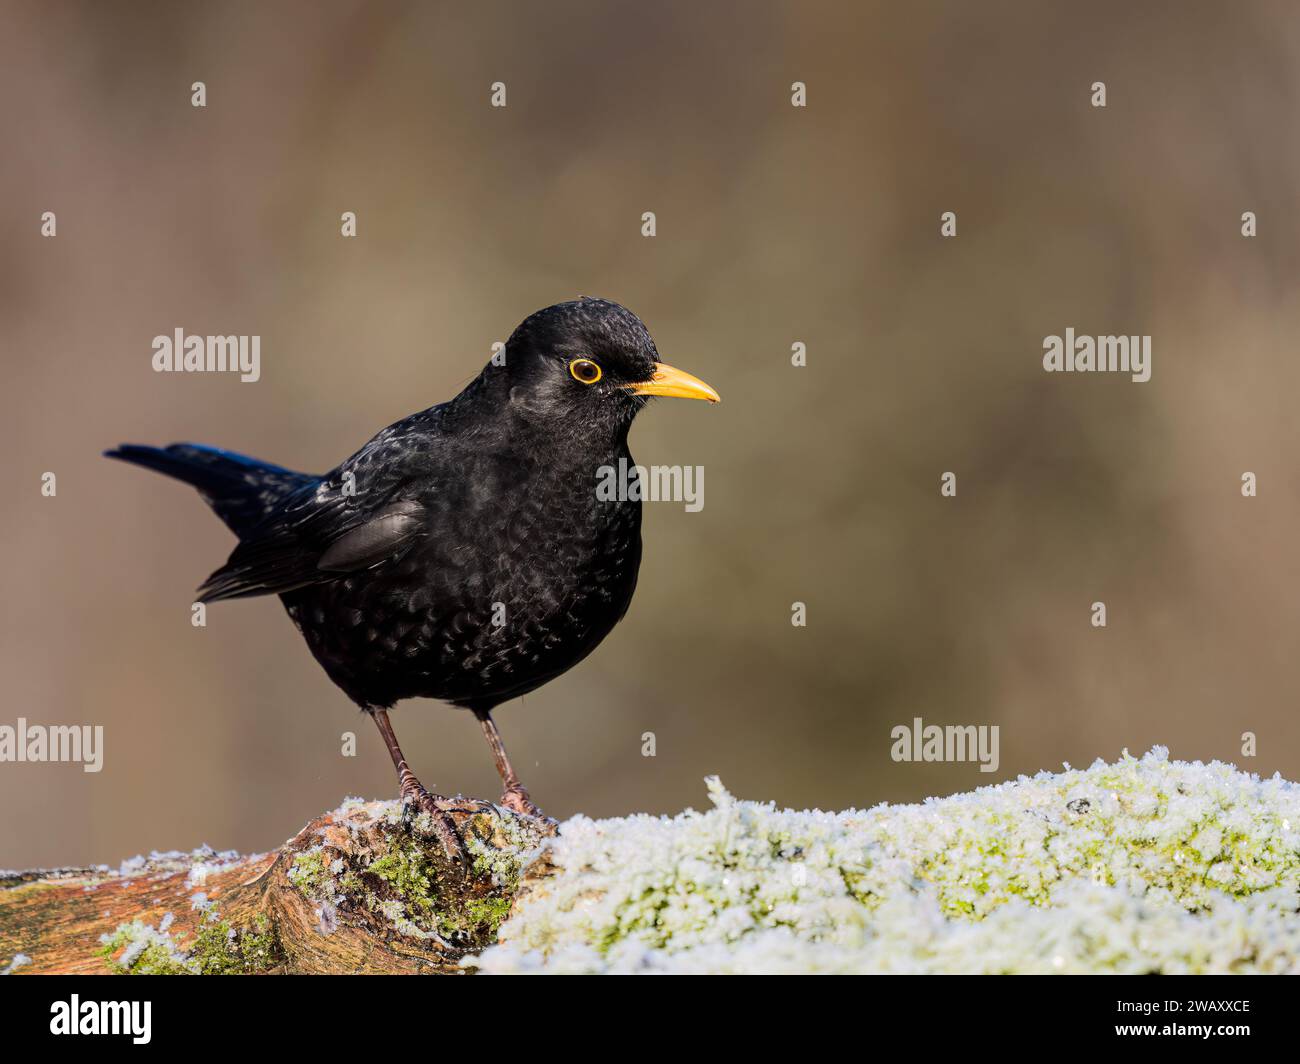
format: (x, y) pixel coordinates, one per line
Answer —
(517, 800)
(444, 827)
(468, 806)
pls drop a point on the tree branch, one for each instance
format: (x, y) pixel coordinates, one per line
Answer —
(360, 890)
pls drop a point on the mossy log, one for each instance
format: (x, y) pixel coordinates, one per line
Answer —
(1141, 865)
(366, 888)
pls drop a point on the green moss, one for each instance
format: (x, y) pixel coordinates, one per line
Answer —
(392, 875)
(483, 916)
(410, 872)
(220, 949)
(137, 949)
(411, 877)
(310, 873)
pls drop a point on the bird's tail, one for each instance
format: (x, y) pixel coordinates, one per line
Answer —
(241, 490)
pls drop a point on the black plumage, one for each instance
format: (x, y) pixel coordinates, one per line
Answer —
(462, 554)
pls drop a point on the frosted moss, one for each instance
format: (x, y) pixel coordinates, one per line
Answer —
(222, 949)
(1139, 866)
(501, 848)
(137, 948)
(392, 875)
(216, 948)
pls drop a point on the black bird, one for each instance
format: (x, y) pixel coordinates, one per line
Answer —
(463, 553)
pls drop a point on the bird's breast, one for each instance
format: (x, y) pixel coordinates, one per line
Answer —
(511, 584)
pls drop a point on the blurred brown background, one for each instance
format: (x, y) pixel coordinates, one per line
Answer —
(775, 225)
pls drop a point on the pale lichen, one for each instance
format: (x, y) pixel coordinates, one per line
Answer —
(1144, 865)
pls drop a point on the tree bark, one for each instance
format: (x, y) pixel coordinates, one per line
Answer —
(362, 889)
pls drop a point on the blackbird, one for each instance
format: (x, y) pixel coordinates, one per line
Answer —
(462, 554)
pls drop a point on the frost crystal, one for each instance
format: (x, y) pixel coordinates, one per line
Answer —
(1139, 866)
(19, 959)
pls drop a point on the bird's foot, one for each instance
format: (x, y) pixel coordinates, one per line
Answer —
(517, 800)
(468, 806)
(414, 796)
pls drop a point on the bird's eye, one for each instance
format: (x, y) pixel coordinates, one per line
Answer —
(584, 370)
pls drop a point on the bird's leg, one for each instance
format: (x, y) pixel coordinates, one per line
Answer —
(412, 791)
(515, 797)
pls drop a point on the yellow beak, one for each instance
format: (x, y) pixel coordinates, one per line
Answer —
(670, 381)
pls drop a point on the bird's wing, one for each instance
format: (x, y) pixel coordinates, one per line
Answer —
(324, 529)
(380, 537)
(300, 549)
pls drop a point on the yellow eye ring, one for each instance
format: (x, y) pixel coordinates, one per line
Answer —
(585, 371)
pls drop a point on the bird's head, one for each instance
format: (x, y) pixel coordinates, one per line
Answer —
(591, 362)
